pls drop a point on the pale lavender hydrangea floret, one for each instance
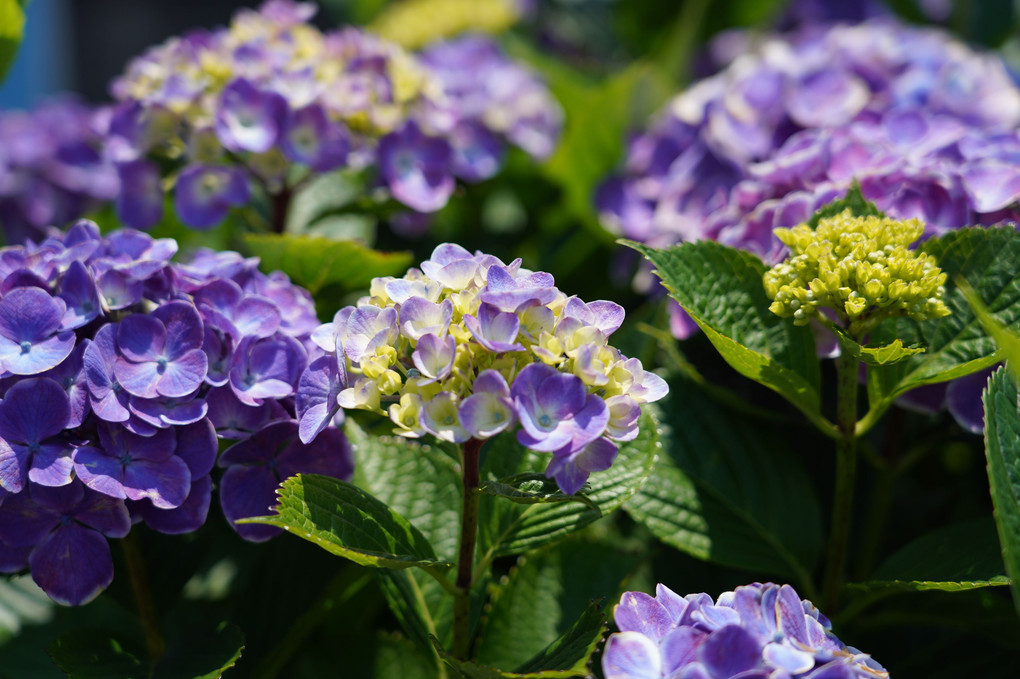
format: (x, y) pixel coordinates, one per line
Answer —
(758, 631)
(33, 338)
(416, 168)
(160, 354)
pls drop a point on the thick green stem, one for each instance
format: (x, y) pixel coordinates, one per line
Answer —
(280, 204)
(846, 470)
(466, 553)
(143, 596)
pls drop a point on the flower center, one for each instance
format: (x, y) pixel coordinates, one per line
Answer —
(26, 347)
(161, 363)
(545, 420)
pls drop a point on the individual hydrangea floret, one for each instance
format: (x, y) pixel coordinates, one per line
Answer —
(469, 347)
(121, 370)
(758, 631)
(861, 268)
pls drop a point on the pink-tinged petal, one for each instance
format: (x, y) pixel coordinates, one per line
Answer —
(631, 655)
(72, 565)
(166, 483)
(183, 375)
(138, 379)
(141, 337)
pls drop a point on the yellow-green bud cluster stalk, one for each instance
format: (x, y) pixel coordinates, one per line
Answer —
(861, 267)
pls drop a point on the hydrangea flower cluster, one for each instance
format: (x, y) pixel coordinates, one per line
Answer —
(120, 371)
(270, 101)
(52, 169)
(468, 347)
(860, 267)
(758, 631)
(927, 126)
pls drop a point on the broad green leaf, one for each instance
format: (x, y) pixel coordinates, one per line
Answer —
(953, 558)
(854, 201)
(1008, 342)
(568, 656)
(532, 488)
(886, 354)
(721, 288)
(94, 654)
(12, 26)
(509, 528)
(315, 262)
(325, 194)
(955, 345)
(549, 589)
(1002, 448)
(397, 658)
(730, 490)
(346, 521)
(203, 654)
(423, 484)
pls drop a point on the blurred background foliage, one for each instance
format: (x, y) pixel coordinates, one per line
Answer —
(610, 64)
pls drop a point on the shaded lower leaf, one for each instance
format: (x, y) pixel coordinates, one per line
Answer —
(397, 658)
(347, 521)
(1002, 448)
(550, 589)
(314, 262)
(532, 488)
(203, 654)
(509, 528)
(730, 491)
(94, 654)
(568, 656)
(953, 558)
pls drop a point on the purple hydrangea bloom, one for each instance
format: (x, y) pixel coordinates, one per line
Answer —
(416, 168)
(255, 467)
(205, 194)
(757, 631)
(107, 392)
(467, 347)
(249, 119)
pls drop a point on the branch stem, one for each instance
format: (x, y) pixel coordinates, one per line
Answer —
(466, 553)
(846, 471)
(143, 595)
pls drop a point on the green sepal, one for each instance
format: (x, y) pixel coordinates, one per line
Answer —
(568, 656)
(1002, 448)
(347, 521)
(854, 201)
(886, 354)
(533, 488)
(721, 289)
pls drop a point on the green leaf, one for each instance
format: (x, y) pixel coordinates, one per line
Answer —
(509, 528)
(94, 654)
(956, 345)
(1008, 342)
(533, 488)
(397, 658)
(203, 654)
(324, 195)
(886, 354)
(721, 288)
(12, 27)
(954, 558)
(568, 656)
(346, 521)
(729, 490)
(550, 589)
(854, 201)
(1002, 448)
(423, 484)
(314, 262)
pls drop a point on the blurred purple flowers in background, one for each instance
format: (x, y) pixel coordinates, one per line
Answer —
(242, 107)
(467, 346)
(120, 371)
(758, 631)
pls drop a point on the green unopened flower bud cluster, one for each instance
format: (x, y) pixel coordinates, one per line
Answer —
(860, 267)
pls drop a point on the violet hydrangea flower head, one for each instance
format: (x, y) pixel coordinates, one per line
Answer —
(121, 370)
(926, 125)
(234, 110)
(469, 347)
(758, 631)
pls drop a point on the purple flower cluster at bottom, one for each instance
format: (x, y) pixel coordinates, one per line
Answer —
(759, 631)
(120, 371)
